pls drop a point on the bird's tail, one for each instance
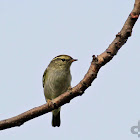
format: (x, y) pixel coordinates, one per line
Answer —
(56, 118)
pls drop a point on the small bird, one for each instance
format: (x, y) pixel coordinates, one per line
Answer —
(57, 80)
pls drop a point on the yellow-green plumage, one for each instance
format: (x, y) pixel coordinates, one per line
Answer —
(57, 80)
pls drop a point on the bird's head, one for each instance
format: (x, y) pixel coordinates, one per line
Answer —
(62, 61)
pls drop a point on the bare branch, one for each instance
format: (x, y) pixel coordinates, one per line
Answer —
(79, 89)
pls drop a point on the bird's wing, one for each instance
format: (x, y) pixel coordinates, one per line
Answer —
(43, 78)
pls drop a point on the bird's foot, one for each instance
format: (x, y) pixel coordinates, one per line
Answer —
(49, 102)
(69, 88)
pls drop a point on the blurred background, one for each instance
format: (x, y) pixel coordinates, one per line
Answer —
(32, 32)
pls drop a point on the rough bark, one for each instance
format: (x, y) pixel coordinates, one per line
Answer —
(96, 64)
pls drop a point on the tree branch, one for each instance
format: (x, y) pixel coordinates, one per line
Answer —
(79, 89)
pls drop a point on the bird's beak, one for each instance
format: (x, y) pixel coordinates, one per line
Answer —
(74, 60)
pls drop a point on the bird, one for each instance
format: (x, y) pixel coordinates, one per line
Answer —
(57, 80)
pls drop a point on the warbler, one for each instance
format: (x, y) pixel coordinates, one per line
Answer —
(57, 80)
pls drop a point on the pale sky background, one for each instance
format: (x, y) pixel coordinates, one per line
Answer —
(33, 32)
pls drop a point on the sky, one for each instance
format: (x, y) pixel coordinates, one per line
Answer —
(33, 32)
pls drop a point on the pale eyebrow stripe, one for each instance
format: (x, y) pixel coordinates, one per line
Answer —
(58, 58)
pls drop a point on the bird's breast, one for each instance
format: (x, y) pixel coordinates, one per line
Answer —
(57, 83)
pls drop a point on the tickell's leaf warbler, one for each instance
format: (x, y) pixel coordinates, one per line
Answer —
(57, 80)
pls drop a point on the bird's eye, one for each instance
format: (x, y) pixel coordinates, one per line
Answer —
(63, 60)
